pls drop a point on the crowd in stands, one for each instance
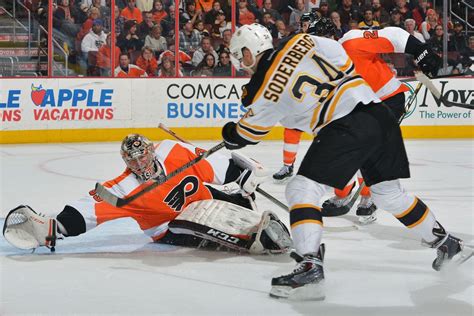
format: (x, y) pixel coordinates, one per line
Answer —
(145, 41)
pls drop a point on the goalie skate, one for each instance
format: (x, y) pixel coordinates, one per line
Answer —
(306, 282)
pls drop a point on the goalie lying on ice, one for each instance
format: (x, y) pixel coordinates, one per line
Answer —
(182, 211)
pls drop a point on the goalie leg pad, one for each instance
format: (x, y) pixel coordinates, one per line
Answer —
(25, 229)
(233, 226)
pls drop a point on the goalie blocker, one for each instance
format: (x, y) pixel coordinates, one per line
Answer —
(218, 221)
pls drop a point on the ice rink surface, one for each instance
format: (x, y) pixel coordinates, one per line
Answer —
(379, 269)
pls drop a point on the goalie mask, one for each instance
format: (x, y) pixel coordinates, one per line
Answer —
(138, 152)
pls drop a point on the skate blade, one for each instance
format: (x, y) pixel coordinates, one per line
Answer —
(308, 292)
(459, 259)
(365, 220)
(282, 181)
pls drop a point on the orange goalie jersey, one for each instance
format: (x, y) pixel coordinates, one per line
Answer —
(155, 209)
(364, 48)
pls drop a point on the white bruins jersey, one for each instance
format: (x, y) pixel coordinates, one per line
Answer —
(307, 83)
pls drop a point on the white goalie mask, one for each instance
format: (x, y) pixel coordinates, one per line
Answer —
(256, 38)
(138, 153)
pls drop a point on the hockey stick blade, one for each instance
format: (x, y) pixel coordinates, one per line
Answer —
(421, 77)
(116, 201)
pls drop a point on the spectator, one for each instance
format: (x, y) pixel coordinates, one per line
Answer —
(148, 62)
(324, 9)
(246, 14)
(267, 7)
(64, 19)
(119, 21)
(402, 7)
(166, 68)
(88, 3)
(339, 29)
(104, 56)
(189, 38)
(199, 26)
(204, 5)
(220, 24)
(268, 23)
(127, 70)
(206, 67)
(225, 45)
(347, 11)
(129, 41)
(130, 12)
(436, 41)
(458, 40)
(104, 11)
(158, 11)
(190, 12)
(145, 27)
(295, 16)
(353, 25)
(396, 18)
(168, 23)
(410, 26)
(223, 68)
(380, 14)
(155, 41)
(282, 30)
(145, 5)
(93, 14)
(94, 39)
(206, 48)
(428, 26)
(419, 12)
(368, 22)
(210, 16)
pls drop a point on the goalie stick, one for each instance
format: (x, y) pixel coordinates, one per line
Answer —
(265, 193)
(421, 77)
(116, 201)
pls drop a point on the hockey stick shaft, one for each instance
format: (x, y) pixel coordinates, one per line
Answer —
(114, 200)
(259, 190)
(437, 94)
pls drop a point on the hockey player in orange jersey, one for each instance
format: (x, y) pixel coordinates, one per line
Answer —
(364, 48)
(173, 212)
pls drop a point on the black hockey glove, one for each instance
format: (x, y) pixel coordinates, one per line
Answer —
(232, 140)
(428, 61)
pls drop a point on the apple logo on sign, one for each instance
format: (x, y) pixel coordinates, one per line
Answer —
(37, 94)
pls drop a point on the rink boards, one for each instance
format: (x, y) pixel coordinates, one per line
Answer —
(35, 110)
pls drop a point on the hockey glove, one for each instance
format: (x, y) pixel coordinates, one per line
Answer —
(428, 61)
(232, 140)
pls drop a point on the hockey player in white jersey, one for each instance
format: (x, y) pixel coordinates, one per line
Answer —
(309, 84)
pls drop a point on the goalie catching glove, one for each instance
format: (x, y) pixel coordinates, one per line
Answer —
(26, 229)
(233, 226)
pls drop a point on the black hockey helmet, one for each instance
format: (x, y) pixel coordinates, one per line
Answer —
(320, 26)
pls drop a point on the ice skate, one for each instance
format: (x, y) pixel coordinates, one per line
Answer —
(306, 282)
(284, 174)
(450, 251)
(366, 210)
(336, 206)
